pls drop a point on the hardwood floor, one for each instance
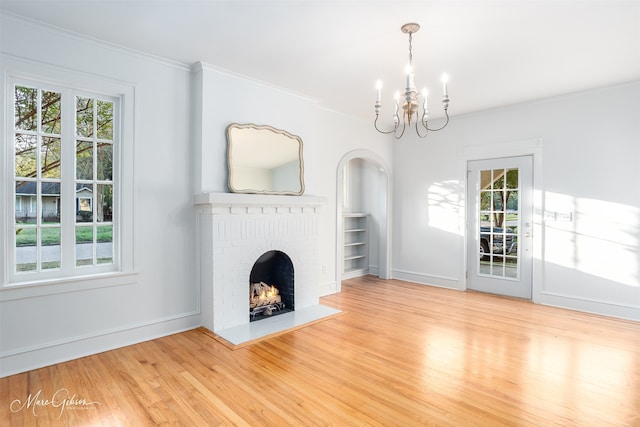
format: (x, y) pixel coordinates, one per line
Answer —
(401, 354)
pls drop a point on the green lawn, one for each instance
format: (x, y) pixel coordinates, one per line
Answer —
(26, 236)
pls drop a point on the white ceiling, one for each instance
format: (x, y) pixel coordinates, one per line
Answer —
(495, 52)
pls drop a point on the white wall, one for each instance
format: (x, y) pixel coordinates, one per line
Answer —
(44, 324)
(589, 166)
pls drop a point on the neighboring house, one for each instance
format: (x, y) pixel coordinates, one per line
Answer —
(26, 201)
(26, 206)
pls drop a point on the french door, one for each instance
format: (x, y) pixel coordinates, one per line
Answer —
(499, 212)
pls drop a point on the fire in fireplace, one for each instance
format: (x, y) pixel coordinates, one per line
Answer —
(271, 287)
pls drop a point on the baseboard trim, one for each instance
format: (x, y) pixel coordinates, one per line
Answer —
(604, 308)
(426, 279)
(328, 288)
(34, 357)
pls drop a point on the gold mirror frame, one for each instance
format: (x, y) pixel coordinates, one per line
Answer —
(264, 160)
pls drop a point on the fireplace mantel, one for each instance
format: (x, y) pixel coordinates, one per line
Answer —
(234, 230)
(256, 200)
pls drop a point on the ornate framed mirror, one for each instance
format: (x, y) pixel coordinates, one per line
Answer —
(264, 160)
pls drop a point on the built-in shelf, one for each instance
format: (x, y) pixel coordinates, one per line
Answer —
(356, 245)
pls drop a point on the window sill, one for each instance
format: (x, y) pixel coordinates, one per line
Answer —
(40, 288)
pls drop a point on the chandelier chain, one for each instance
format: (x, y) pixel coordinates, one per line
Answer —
(410, 50)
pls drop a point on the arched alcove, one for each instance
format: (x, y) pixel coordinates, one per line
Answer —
(382, 184)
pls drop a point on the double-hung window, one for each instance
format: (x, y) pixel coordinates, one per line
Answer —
(66, 217)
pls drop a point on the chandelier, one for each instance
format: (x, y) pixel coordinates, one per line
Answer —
(410, 109)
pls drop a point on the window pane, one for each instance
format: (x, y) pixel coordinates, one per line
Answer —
(26, 250)
(25, 146)
(84, 245)
(105, 120)
(50, 199)
(50, 248)
(50, 157)
(104, 250)
(105, 163)
(26, 107)
(26, 236)
(104, 208)
(84, 117)
(24, 191)
(84, 203)
(51, 112)
(84, 160)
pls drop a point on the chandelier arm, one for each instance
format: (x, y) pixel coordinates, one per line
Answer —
(404, 125)
(424, 126)
(375, 124)
(441, 127)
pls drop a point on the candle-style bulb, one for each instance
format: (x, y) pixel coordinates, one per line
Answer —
(445, 80)
(409, 72)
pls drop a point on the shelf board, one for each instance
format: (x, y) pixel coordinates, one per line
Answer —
(349, 258)
(354, 215)
(355, 244)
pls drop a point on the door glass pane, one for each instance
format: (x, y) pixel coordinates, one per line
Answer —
(498, 197)
(498, 223)
(498, 179)
(512, 178)
(485, 180)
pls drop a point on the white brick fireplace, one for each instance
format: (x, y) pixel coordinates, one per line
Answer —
(234, 231)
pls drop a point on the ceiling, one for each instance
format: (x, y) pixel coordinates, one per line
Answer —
(495, 52)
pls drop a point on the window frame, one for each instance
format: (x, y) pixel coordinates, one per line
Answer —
(18, 71)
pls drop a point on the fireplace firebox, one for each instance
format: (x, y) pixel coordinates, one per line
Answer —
(271, 286)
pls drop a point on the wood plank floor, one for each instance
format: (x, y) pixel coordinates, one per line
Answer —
(401, 355)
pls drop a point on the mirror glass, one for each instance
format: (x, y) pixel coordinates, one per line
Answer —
(263, 159)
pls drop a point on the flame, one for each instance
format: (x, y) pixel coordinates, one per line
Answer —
(268, 293)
